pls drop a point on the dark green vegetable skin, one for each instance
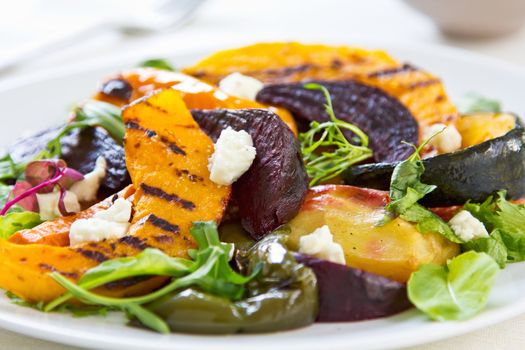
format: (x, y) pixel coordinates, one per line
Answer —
(474, 173)
(282, 296)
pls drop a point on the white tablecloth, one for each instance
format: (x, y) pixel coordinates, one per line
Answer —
(24, 22)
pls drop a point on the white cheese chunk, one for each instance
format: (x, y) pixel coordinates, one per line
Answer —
(240, 85)
(86, 190)
(234, 154)
(48, 204)
(467, 227)
(107, 224)
(448, 140)
(320, 244)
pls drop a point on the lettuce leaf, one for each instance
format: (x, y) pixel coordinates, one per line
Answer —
(506, 221)
(492, 245)
(457, 291)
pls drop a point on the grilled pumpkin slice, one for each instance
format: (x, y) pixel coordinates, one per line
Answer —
(421, 92)
(167, 156)
(133, 84)
(56, 232)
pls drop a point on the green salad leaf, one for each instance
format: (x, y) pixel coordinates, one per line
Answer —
(406, 189)
(16, 221)
(5, 192)
(492, 245)
(209, 270)
(9, 170)
(475, 103)
(158, 63)
(506, 223)
(326, 151)
(456, 291)
(90, 114)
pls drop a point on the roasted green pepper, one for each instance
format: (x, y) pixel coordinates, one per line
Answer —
(282, 296)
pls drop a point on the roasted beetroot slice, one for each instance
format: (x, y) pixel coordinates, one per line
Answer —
(81, 148)
(382, 117)
(348, 294)
(271, 192)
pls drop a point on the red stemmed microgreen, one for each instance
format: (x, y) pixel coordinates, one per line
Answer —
(42, 177)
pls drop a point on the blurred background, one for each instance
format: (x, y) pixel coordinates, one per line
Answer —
(38, 35)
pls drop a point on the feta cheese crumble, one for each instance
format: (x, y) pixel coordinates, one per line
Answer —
(106, 224)
(234, 154)
(86, 190)
(48, 204)
(240, 85)
(467, 227)
(320, 244)
(449, 140)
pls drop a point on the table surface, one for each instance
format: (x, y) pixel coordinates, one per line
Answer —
(26, 22)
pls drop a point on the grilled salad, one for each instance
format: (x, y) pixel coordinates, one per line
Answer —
(262, 189)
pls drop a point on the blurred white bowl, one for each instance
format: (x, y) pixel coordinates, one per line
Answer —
(474, 18)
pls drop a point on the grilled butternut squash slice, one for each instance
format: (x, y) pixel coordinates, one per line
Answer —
(422, 93)
(56, 232)
(167, 156)
(195, 93)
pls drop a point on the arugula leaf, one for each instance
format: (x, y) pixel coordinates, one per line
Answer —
(507, 222)
(84, 310)
(457, 291)
(475, 103)
(16, 221)
(158, 63)
(406, 189)
(326, 151)
(148, 318)
(149, 262)
(209, 270)
(90, 114)
(15, 299)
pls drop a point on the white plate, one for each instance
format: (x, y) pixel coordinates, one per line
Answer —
(37, 102)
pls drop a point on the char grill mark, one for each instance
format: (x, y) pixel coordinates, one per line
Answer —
(50, 268)
(172, 146)
(134, 242)
(158, 192)
(423, 83)
(93, 255)
(191, 177)
(163, 224)
(392, 71)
